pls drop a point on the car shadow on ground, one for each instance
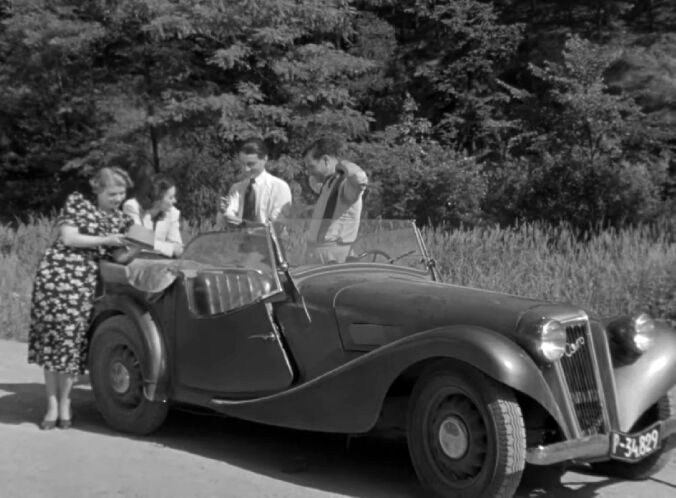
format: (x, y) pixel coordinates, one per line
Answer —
(356, 466)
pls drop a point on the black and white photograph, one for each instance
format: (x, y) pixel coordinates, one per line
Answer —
(337, 248)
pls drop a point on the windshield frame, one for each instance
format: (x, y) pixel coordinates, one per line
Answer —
(427, 261)
(280, 263)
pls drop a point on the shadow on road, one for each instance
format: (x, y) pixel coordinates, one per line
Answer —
(358, 466)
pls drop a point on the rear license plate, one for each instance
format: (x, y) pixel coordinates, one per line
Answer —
(635, 447)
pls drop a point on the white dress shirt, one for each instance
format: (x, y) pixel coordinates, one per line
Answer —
(167, 231)
(273, 196)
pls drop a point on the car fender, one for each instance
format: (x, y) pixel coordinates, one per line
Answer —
(640, 384)
(153, 359)
(349, 398)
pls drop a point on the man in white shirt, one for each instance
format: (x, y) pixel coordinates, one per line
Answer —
(260, 197)
(335, 218)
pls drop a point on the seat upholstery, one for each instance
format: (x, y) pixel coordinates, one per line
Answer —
(214, 292)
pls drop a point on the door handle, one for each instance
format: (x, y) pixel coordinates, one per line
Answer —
(270, 336)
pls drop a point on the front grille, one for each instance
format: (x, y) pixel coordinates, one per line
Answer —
(578, 369)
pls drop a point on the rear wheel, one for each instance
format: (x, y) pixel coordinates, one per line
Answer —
(117, 380)
(466, 434)
(643, 469)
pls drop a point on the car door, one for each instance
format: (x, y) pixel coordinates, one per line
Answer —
(226, 338)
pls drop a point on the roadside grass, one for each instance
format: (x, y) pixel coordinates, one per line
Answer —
(20, 251)
(611, 272)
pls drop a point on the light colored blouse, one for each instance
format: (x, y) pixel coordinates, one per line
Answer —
(167, 231)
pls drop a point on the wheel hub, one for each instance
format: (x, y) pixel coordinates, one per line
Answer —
(120, 379)
(453, 437)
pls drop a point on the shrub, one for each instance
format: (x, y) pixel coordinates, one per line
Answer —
(424, 182)
(570, 188)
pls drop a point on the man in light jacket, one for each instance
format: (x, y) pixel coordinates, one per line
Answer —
(335, 217)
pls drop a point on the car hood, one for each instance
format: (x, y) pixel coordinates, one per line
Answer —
(379, 307)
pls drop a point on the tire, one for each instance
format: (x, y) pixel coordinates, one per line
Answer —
(488, 457)
(643, 469)
(117, 380)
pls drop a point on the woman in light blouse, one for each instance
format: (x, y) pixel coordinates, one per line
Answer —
(155, 210)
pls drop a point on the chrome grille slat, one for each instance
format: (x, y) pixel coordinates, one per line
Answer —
(582, 379)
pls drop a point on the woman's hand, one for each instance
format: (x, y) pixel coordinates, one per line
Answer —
(125, 255)
(223, 204)
(114, 240)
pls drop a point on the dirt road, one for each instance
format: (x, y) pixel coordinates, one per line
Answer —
(206, 456)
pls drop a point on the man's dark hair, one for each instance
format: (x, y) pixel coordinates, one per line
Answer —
(324, 146)
(254, 146)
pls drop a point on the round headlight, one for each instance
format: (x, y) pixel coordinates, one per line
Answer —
(552, 340)
(641, 333)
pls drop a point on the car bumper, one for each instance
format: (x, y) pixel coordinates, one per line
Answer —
(587, 448)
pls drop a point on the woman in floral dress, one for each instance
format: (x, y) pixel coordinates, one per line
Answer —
(90, 228)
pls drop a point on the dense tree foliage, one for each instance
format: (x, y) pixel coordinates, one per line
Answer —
(462, 111)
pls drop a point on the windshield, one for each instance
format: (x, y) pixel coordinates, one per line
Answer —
(237, 248)
(381, 241)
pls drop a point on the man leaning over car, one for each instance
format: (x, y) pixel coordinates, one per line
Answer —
(335, 218)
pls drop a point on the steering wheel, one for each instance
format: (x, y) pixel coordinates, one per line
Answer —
(375, 253)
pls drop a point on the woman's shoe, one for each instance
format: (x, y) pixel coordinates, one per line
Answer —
(64, 424)
(47, 425)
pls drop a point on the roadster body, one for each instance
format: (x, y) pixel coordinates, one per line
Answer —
(479, 383)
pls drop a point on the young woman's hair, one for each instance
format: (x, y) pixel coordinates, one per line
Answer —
(154, 190)
(110, 176)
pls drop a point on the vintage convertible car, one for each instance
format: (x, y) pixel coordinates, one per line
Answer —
(479, 383)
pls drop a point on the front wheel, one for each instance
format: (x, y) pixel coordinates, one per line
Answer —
(117, 380)
(466, 434)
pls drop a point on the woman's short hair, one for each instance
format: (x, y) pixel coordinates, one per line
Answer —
(109, 176)
(154, 190)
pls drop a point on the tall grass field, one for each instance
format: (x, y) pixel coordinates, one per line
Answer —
(609, 273)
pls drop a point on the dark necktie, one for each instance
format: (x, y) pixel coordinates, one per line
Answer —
(249, 212)
(330, 210)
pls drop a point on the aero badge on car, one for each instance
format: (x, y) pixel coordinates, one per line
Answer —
(574, 347)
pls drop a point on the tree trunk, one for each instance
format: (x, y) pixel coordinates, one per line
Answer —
(154, 143)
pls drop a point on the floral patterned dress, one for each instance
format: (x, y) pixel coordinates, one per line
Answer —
(65, 286)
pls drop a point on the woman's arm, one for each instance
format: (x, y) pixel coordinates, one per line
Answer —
(173, 246)
(174, 231)
(133, 209)
(71, 237)
(169, 249)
